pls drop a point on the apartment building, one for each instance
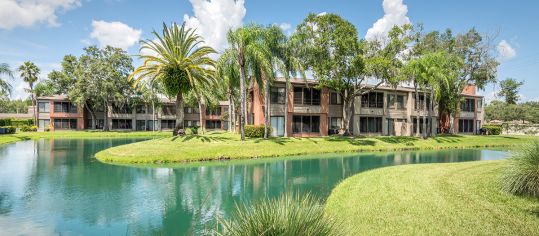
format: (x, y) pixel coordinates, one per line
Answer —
(58, 113)
(383, 111)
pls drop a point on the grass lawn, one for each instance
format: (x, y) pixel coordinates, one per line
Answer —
(9, 138)
(432, 199)
(222, 145)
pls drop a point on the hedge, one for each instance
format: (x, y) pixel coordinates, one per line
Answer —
(5, 122)
(10, 129)
(28, 128)
(19, 123)
(493, 129)
(255, 131)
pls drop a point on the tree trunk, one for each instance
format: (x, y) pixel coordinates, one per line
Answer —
(346, 112)
(431, 113)
(242, 101)
(145, 116)
(153, 116)
(233, 113)
(92, 114)
(179, 112)
(266, 109)
(106, 116)
(417, 111)
(201, 117)
(423, 116)
(286, 87)
(230, 112)
(34, 103)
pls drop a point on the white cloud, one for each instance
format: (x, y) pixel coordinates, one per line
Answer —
(505, 50)
(115, 34)
(26, 13)
(394, 14)
(285, 26)
(212, 20)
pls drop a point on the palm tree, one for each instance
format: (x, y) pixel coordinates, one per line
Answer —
(5, 87)
(178, 61)
(228, 72)
(29, 73)
(252, 55)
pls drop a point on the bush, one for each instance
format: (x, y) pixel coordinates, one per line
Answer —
(27, 128)
(286, 215)
(521, 177)
(255, 131)
(191, 130)
(5, 122)
(19, 123)
(9, 129)
(493, 129)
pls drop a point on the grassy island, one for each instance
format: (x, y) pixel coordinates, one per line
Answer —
(10, 138)
(222, 145)
(432, 199)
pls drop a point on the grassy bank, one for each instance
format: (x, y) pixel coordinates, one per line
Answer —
(9, 138)
(216, 146)
(432, 199)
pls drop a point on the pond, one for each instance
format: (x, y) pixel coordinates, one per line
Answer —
(56, 187)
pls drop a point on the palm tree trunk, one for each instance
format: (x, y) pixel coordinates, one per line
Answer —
(179, 112)
(431, 113)
(287, 84)
(242, 101)
(201, 117)
(423, 116)
(153, 116)
(266, 110)
(230, 112)
(417, 110)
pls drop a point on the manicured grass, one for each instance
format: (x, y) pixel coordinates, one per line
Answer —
(432, 199)
(9, 138)
(222, 145)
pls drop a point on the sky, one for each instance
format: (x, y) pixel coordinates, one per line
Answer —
(44, 31)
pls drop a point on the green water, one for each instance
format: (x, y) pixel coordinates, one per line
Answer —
(55, 187)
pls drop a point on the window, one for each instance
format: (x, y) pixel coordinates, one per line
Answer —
(372, 100)
(168, 124)
(65, 123)
(479, 103)
(140, 109)
(421, 102)
(466, 126)
(213, 111)
(277, 126)
(370, 124)
(169, 110)
(335, 99)
(99, 123)
(191, 123)
(44, 124)
(141, 125)
(334, 125)
(306, 96)
(188, 110)
(277, 95)
(43, 107)
(414, 125)
(124, 109)
(468, 105)
(122, 124)
(213, 124)
(151, 125)
(395, 101)
(306, 124)
(65, 107)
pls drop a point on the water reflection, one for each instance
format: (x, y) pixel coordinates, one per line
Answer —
(56, 187)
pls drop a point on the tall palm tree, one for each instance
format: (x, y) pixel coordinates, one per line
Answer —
(29, 73)
(252, 55)
(178, 61)
(228, 72)
(5, 87)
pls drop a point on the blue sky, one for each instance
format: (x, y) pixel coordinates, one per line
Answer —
(45, 31)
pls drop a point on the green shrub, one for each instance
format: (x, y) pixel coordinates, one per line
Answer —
(5, 122)
(286, 215)
(493, 129)
(19, 123)
(27, 128)
(521, 177)
(255, 131)
(10, 129)
(191, 130)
